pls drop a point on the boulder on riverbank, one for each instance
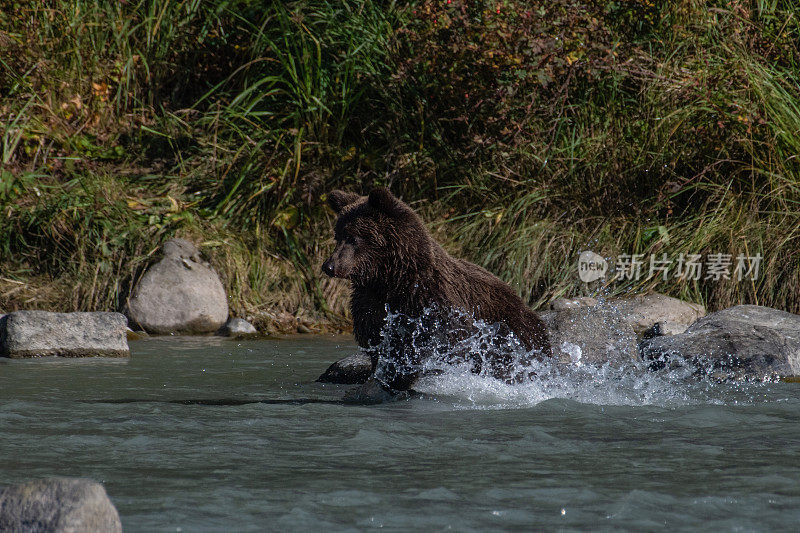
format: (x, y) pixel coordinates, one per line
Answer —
(742, 342)
(42, 333)
(644, 311)
(179, 294)
(590, 335)
(57, 505)
(589, 331)
(356, 368)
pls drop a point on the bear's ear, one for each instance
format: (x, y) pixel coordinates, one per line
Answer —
(338, 200)
(385, 202)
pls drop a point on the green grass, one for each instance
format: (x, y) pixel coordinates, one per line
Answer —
(524, 137)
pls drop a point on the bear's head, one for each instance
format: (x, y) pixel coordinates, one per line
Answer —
(378, 238)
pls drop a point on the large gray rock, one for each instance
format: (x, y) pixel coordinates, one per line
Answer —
(179, 294)
(643, 311)
(57, 505)
(590, 335)
(41, 333)
(356, 368)
(746, 341)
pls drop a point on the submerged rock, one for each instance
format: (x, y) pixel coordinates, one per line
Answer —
(237, 327)
(643, 311)
(42, 333)
(356, 368)
(745, 341)
(372, 392)
(57, 505)
(179, 294)
(590, 335)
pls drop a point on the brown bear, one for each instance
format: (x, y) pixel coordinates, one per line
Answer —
(395, 266)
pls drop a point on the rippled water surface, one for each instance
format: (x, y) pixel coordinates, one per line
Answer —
(208, 434)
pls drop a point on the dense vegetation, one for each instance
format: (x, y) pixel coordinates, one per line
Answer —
(524, 131)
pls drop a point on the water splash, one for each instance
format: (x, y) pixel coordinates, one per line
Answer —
(461, 359)
(601, 385)
(440, 339)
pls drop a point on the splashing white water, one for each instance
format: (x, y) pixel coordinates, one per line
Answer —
(600, 385)
(460, 368)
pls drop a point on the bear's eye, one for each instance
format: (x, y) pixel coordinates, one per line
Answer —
(352, 240)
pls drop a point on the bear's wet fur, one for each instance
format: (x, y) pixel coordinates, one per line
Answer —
(384, 249)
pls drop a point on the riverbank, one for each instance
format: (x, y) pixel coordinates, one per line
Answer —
(524, 134)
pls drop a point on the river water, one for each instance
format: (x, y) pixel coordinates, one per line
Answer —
(210, 434)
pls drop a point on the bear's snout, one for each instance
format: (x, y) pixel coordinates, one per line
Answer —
(341, 262)
(327, 267)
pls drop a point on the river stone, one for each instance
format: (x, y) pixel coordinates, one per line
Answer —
(660, 329)
(135, 335)
(356, 368)
(643, 311)
(179, 294)
(42, 333)
(237, 327)
(57, 505)
(373, 392)
(745, 341)
(590, 335)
